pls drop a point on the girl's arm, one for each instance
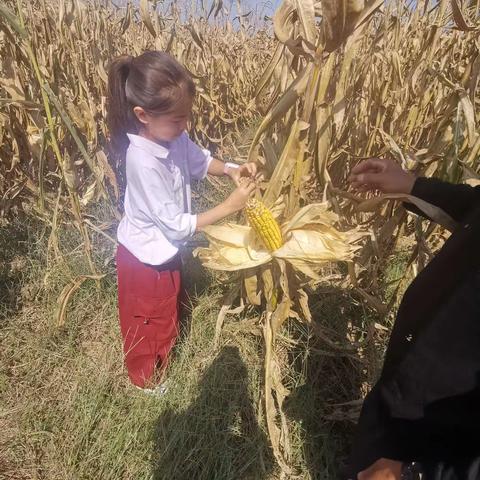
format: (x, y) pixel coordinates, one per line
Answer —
(234, 171)
(154, 194)
(200, 162)
(235, 202)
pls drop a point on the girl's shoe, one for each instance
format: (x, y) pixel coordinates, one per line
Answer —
(158, 391)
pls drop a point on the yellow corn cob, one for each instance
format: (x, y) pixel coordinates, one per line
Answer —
(262, 221)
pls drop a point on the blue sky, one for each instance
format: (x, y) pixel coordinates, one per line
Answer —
(261, 7)
(265, 7)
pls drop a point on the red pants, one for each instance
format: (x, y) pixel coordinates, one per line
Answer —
(148, 302)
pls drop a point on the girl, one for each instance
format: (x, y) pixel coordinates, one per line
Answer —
(149, 104)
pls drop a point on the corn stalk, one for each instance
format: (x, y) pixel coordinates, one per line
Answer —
(351, 80)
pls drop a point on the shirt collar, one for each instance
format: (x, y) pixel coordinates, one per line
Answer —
(151, 147)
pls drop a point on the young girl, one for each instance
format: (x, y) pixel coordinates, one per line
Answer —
(149, 105)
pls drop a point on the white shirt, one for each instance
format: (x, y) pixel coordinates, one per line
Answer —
(158, 197)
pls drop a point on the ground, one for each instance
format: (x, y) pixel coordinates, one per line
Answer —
(67, 410)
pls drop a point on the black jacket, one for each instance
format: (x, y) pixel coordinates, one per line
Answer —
(426, 405)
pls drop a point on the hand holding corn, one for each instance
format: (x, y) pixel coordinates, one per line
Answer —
(239, 197)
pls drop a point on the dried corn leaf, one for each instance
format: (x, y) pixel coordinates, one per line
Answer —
(432, 211)
(146, 18)
(67, 292)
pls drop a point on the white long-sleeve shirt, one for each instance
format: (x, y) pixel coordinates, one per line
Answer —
(158, 197)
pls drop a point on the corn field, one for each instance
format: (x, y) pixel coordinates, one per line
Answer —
(54, 59)
(328, 83)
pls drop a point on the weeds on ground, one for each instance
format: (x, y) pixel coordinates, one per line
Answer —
(67, 410)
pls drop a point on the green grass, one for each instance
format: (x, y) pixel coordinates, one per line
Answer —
(67, 410)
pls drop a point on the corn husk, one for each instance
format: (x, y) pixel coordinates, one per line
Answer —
(311, 240)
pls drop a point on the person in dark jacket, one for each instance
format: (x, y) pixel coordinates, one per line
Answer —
(422, 418)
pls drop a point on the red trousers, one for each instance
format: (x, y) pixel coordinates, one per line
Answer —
(148, 302)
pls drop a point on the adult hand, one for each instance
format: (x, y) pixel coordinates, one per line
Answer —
(381, 174)
(382, 469)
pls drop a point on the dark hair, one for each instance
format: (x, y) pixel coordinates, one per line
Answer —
(154, 81)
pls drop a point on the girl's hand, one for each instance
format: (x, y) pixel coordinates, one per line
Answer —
(383, 469)
(381, 174)
(239, 197)
(246, 170)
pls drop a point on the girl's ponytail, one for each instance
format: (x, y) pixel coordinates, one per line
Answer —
(120, 118)
(156, 82)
